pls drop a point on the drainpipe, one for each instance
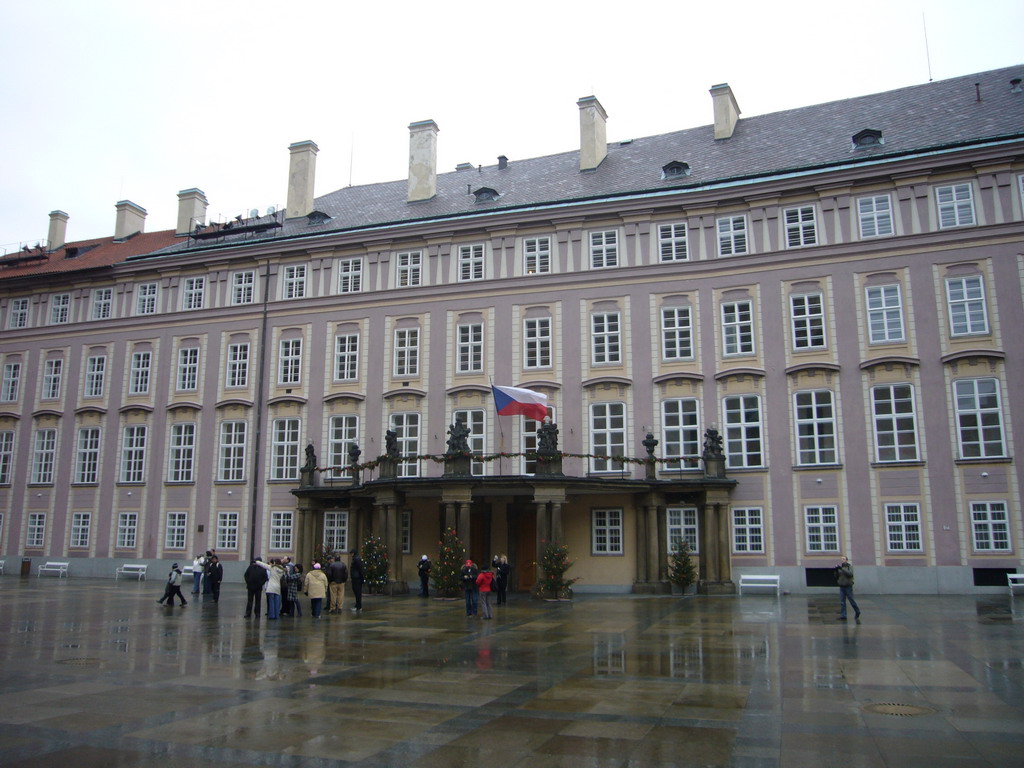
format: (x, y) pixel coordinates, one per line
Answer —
(257, 440)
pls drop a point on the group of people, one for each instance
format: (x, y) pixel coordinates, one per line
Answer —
(480, 583)
(207, 574)
(281, 580)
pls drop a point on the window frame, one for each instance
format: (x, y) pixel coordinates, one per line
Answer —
(53, 378)
(801, 226)
(732, 234)
(236, 370)
(956, 210)
(350, 274)
(127, 535)
(528, 431)
(470, 262)
(7, 438)
(807, 322)
(81, 529)
(176, 530)
(346, 357)
(538, 342)
(293, 281)
(888, 427)
(60, 309)
(606, 338)
(227, 530)
(87, 455)
(603, 248)
(989, 529)
(537, 257)
(407, 426)
(816, 436)
(607, 532)
(979, 411)
(232, 447)
(821, 521)
(193, 293)
(748, 530)
(475, 420)
(243, 287)
(677, 333)
(134, 439)
(181, 452)
(336, 530)
(875, 216)
(743, 437)
(289, 362)
(903, 527)
(673, 242)
(284, 449)
(682, 522)
(282, 530)
(342, 432)
(140, 373)
(608, 440)
(406, 357)
(409, 269)
(187, 374)
(738, 331)
(10, 387)
(18, 313)
(35, 530)
(95, 376)
(884, 304)
(147, 297)
(44, 456)
(102, 304)
(686, 422)
(469, 345)
(968, 311)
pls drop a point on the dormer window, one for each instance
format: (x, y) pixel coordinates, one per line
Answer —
(675, 170)
(867, 138)
(316, 218)
(486, 195)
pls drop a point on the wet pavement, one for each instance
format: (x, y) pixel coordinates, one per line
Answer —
(95, 673)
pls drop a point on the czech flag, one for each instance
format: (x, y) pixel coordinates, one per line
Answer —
(512, 401)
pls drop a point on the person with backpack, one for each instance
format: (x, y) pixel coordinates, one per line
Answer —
(337, 575)
(424, 567)
(255, 577)
(173, 588)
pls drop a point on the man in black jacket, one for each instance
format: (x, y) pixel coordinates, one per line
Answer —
(216, 577)
(255, 577)
(337, 575)
(424, 567)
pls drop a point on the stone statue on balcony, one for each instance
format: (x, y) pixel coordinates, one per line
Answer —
(310, 464)
(458, 438)
(391, 444)
(547, 437)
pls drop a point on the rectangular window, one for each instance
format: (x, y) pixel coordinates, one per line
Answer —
(537, 255)
(815, 427)
(237, 372)
(35, 537)
(885, 313)
(11, 383)
(672, 242)
(17, 315)
(604, 249)
(343, 435)
(606, 532)
(956, 205)
(281, 531)
(807, 312)
(289, 362)
(607, 436)
(406, 427)
(747, 530)
(60, 309)
(346, 357)
(990, 525)
(822, 525)
(676, 333)
(605, 338)
(875, 216)
(336, 531)
(350, 275)
(529, 433)
(537, 342)
(892, 410)
(194, 293)
(743, 445)
(102, 303)
(471, 262)
(138, 383)
(231, 467)
(294, 281)
(127, 530)
(407, 352)
(243, 287)
(95, 375)
(801, 227)
(979, 418)
(470, 348)
(133, 454)
(188, 369)
(284, 450)
(87, 458)
(6, 455)
(146, 298)
(474, 421)
(43, 456)
(176, 531)
(738, 328)
(409, 268)
(967, 313)
(732, 235)
(681, 524)
(680, 435)
(53, 373)
(903, 527)
(81, 523)
(181, 453)
(227, 530)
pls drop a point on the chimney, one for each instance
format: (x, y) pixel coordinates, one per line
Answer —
(301, 174)
(131, 219)
(192, 204)
(727, 111)
(502, 162)
(593, 144)
(58, 229)
(422, 160)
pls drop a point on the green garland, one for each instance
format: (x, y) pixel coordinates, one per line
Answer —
(691, 461)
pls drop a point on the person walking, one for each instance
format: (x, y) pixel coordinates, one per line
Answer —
(424, 567)
(469, 572)
(501, 574)
(484, 582)
(337, 575)
(216, 577)
(844, 577)
(295, 581)
(255, 577)
(173, 587)
(315, 587)
(358, 579)
(275, 575)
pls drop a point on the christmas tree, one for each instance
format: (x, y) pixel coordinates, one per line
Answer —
(375, 564)
(554, 563)
(681, 570)
(446, 572)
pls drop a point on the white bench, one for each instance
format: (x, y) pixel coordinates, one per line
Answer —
(61, 569)
(1013, 580)
(771, 581)
(2, 563)
(132, 569)
(188, 570)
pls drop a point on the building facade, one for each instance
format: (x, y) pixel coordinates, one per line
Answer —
(832, 289)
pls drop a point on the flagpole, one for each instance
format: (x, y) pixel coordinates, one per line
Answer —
(501, 432)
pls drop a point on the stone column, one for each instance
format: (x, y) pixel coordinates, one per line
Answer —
(450, 515)
(556, 522)
(642, 545)
(543, 535)
(654, 557)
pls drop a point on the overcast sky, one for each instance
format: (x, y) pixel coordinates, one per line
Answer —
(108, 100)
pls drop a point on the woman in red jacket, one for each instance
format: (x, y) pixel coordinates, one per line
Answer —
(484, 581)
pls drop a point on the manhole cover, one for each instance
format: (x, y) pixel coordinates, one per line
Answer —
(81, 661)
(898, 710)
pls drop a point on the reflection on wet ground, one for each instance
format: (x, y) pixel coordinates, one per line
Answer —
(94, 673)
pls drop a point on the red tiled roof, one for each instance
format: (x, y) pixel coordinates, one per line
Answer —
(91, 254)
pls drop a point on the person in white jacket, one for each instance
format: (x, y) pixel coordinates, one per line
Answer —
(274, 573)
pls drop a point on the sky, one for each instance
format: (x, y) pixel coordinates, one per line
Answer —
(112, 100)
